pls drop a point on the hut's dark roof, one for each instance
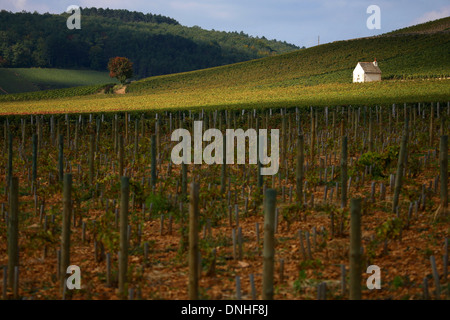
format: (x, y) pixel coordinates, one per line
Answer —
(369, 67)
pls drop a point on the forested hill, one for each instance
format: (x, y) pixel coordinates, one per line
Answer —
(155, 44)
(128, 16)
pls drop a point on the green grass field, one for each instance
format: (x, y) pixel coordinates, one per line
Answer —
(415, 66)
(370, 94)
(18, 80)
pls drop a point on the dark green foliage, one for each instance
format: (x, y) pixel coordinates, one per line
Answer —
(128, 16)
(105, 234)
(156, 45)
(379, 161)
(160, 205)
(390, 229)
(398, 282)
(300, 282)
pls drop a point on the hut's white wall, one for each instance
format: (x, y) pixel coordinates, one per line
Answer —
(372, 77)
(358, 74)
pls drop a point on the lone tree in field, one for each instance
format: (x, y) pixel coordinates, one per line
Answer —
(120, 68)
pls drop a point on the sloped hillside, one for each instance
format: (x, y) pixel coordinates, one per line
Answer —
(406, 56)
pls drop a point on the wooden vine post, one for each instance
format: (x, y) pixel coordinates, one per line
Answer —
(10, 159)
(371, 142)
(299, 169)
(126, 126)
(284, 140)
(121, 155)
(344, 172)
(61, 157)
(431, 129)
(34, 157)
(91, 159)
(13, 230)
(193, 243)
(355, 249)
(443, 164)
(123, 253)
(153, 162)
(65, 235)
(399, 174)
(184, 178)
(260, 177)
(223, 178)
(269, 243)
(313, 137)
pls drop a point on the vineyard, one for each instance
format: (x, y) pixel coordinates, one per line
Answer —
(56, 93)
(229, 97)
(18, 80)
(415, 67)
(440, 25)
(357, 186)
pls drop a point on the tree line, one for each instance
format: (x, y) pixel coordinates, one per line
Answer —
(155, 44)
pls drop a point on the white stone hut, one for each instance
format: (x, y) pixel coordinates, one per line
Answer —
(367, 72)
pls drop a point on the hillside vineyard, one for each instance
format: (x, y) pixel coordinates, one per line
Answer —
(357, 186)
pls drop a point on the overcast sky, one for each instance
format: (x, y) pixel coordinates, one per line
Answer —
(296, 21)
